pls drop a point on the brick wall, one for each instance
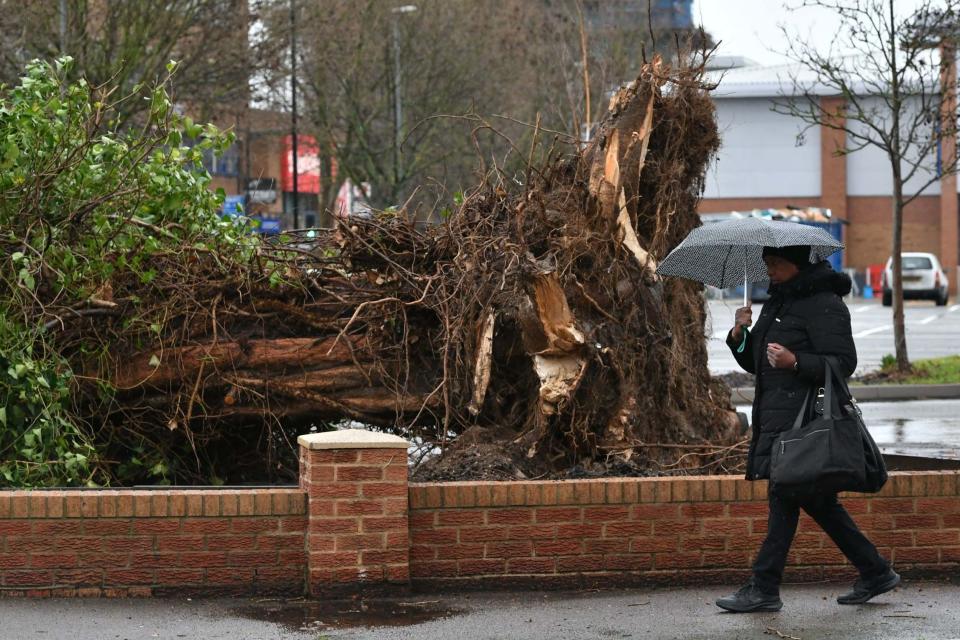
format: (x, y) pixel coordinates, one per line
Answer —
(118, 542)
(659, 530)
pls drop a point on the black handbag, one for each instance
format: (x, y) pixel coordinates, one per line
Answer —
(833, 451)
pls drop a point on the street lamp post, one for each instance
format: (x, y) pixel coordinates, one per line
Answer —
(397, 108)
(293, 114)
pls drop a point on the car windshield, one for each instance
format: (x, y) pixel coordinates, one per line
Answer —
(916, 262)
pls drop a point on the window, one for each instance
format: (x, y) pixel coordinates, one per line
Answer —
(916, 262)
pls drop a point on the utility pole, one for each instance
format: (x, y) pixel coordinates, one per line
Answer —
(293, 113)
(397, 104)
(63, 27)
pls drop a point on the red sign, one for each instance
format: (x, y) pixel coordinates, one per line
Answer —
(308, 164)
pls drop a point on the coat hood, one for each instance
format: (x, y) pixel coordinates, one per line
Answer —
(817, 278)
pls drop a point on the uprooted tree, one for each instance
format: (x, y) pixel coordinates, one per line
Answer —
(183, 348)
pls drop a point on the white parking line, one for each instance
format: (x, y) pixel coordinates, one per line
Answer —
(861, 308)
(953, 308)
(930, 319)
(870, 332)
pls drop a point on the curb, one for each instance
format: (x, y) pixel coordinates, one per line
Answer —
(878, 392)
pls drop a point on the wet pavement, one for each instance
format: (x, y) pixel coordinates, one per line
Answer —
(918, 610)
(931, 331)
(926, 428)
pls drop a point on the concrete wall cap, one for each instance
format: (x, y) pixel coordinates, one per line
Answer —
(351, 439)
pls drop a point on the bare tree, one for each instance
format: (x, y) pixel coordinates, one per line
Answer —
(127, 43)
(895, 97)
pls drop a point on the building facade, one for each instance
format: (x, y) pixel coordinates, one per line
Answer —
(772, 160)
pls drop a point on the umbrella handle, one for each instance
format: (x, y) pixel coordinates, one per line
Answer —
(746, 286)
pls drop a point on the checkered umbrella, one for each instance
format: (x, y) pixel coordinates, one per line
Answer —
(728, 253)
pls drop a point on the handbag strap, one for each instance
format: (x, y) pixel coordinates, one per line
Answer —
(798, 422)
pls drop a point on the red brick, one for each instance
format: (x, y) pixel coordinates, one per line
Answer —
(383, 524)
(563, 547)
(344, 508)
(296, 557)
(744, 542)
(28, 578)
(749, 510)
(79, 577)
(421, 552)
(230, 576)
(627, 529)
(395, 506)
(726, 526)
(674, 527)
(453, 518)
(202, 559)
(16, 544)
(177, 577)
(531, 566)
(686, 560)
(266, 558)
(578, 530)
(461, 551)
(437, 569)
(384, 489)
(53, 560)
(397, 539)
(951, 521)
(55, 527)
(829, 555)
(467, 534)
(281, 541)
(631, 562)
(428, 519)
(809, 541)
(338, 525)
(398, 573)
(607, 545)
(447, 536)
(893, 538)
(734, 559)
(696, 543)
(153, 560)
(357, 542)
(129, 543)
(337, 490)
(930, 555)
(703, 510)
(916, 522)
(383, 456)
(387, 556)
(891, 505)
(156, 526)
(137, 576)
(856, 506)
(14, 528)
(180, 543)
(938, 505)
(106, 527)
(509, 516)
(13, 560)
(947, 537)
(253, 525)
(358, 474)
(559, 514)
(950, 554)
(481, 567)
(605, 514)
(654, 544)
(511, 549)
(656, 511)
(577, 564)
(293, 524)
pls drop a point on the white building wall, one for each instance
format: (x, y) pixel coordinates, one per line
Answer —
(760, 156)
(868, 169)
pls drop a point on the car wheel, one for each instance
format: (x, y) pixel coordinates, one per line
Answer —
(887, 298)
(943, 298)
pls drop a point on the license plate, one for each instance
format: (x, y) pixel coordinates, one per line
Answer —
(912, 278)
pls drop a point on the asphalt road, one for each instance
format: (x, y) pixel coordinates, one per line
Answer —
(932, 331)
(917, 610)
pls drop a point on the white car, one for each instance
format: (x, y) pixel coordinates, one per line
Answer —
(923, 278)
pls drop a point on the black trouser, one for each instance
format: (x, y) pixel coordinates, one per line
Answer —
(832, 518)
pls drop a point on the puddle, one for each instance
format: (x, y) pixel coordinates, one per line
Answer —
(317, 615)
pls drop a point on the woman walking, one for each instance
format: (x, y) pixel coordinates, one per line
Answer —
(804, 320)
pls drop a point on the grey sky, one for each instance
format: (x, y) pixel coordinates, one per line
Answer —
(751, 27)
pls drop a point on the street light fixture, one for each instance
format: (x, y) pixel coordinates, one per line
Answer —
(397, 109)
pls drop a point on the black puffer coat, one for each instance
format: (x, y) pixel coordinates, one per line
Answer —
(807, 316)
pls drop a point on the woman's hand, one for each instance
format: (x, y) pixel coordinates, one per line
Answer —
(780, 357)
(744, 318)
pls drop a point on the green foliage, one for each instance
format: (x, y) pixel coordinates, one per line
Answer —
(888, 362)
(83, 203)
(935, 371)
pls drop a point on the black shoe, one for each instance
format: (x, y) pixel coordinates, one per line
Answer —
(750, 598)
(863, 590)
